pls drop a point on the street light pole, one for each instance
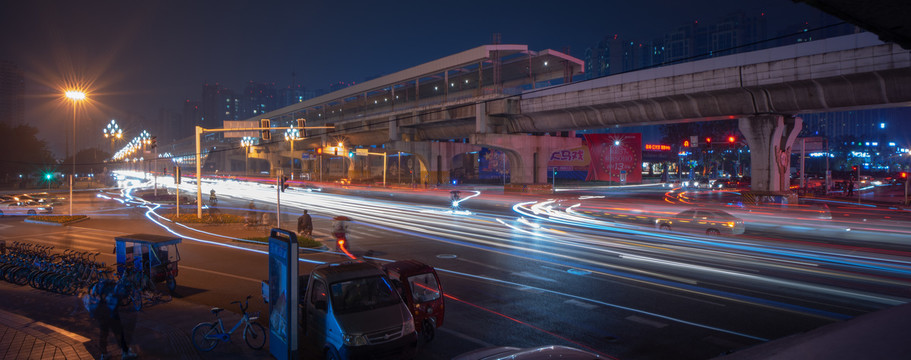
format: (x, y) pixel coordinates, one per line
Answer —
(74, 95)
(73, 175)
(610, 162)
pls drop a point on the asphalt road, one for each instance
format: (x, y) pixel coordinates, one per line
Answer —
(581, 278)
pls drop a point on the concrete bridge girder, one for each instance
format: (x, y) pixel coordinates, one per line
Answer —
(724, 98)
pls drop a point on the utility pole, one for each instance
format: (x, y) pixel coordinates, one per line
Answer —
(200, 130)
(278, 199)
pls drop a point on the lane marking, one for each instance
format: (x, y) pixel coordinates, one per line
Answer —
(644, 321)
(582, 304)
(529, 275)
(457, 334)
(258, 281)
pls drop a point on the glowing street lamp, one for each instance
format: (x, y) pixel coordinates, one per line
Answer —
(247, 143)
(113, 131)
(75, 96)
(610, 163)
(291, 135)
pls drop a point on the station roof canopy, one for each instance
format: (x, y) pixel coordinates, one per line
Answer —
(511, 58)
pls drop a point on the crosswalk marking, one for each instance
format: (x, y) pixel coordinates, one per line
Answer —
(84, 242)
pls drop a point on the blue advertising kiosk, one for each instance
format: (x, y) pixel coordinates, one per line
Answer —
(283, 294)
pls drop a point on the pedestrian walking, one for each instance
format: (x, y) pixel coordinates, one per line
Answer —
(850, 187)
(106, 311)
(305, 225)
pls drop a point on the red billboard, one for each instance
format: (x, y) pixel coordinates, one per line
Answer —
(615, 157)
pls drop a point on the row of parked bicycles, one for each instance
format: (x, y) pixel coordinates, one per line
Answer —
(37, 265)
(71, 272)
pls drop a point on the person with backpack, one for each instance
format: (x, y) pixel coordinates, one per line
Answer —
(104, 307)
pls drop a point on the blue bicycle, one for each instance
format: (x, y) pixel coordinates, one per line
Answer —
(207, 335)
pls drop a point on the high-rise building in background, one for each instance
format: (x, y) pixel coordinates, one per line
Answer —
(734, 33)
(257, 99)
(336, 86)
(12, 94)
(218, 104)
(293, 95)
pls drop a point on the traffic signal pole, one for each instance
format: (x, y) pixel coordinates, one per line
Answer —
(278, 200)
(200, 130)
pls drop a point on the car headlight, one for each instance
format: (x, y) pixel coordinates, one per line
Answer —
(356, 340)
(408, 327)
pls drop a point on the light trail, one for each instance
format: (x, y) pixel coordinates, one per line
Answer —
(567, 238)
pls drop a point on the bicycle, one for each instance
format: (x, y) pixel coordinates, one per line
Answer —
(207, 335)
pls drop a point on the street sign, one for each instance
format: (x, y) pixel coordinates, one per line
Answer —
(283, 294)
(229, 124)
(811, 144)
(694, 141)
(305, 156)
(361, 152)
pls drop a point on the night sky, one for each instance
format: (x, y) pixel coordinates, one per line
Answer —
(141, 56)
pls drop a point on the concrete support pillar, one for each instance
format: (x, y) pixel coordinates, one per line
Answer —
(481, 120)
(435, 157)
(770, 138)
(528, 155)
(394, 129)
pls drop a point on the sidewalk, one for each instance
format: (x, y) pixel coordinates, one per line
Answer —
(36, 324)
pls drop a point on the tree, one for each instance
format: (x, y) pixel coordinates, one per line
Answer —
(22, 153)
(89, 160)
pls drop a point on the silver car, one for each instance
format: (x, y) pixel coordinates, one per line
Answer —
(708, 221)
(25, 208)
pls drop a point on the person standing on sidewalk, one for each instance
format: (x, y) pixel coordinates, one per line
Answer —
(305, 225)
(107, 313)
(251, 214)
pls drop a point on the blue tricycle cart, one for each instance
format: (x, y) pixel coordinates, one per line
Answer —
(155, 257)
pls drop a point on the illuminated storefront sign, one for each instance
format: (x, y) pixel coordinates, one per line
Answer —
(657, 147)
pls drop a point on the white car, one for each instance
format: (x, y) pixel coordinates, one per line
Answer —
(25, 208)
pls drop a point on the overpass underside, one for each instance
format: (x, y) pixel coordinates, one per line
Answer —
(765, 91)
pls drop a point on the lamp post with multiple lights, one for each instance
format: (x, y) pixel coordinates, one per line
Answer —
(114, 132)
(247, 143)
(291, 135)
(75, 96)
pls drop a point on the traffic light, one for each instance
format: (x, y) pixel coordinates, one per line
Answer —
(301, 123)
(285, 184)
(686, 143)
(154, 142)
(319, 151)
(854, 168)
(708, 140)
(336, 151)
(731, 139)
(904, 175)
(49, 175)
(266, 133)
(177, 175)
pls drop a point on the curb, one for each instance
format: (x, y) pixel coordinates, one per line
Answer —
(56, 223)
